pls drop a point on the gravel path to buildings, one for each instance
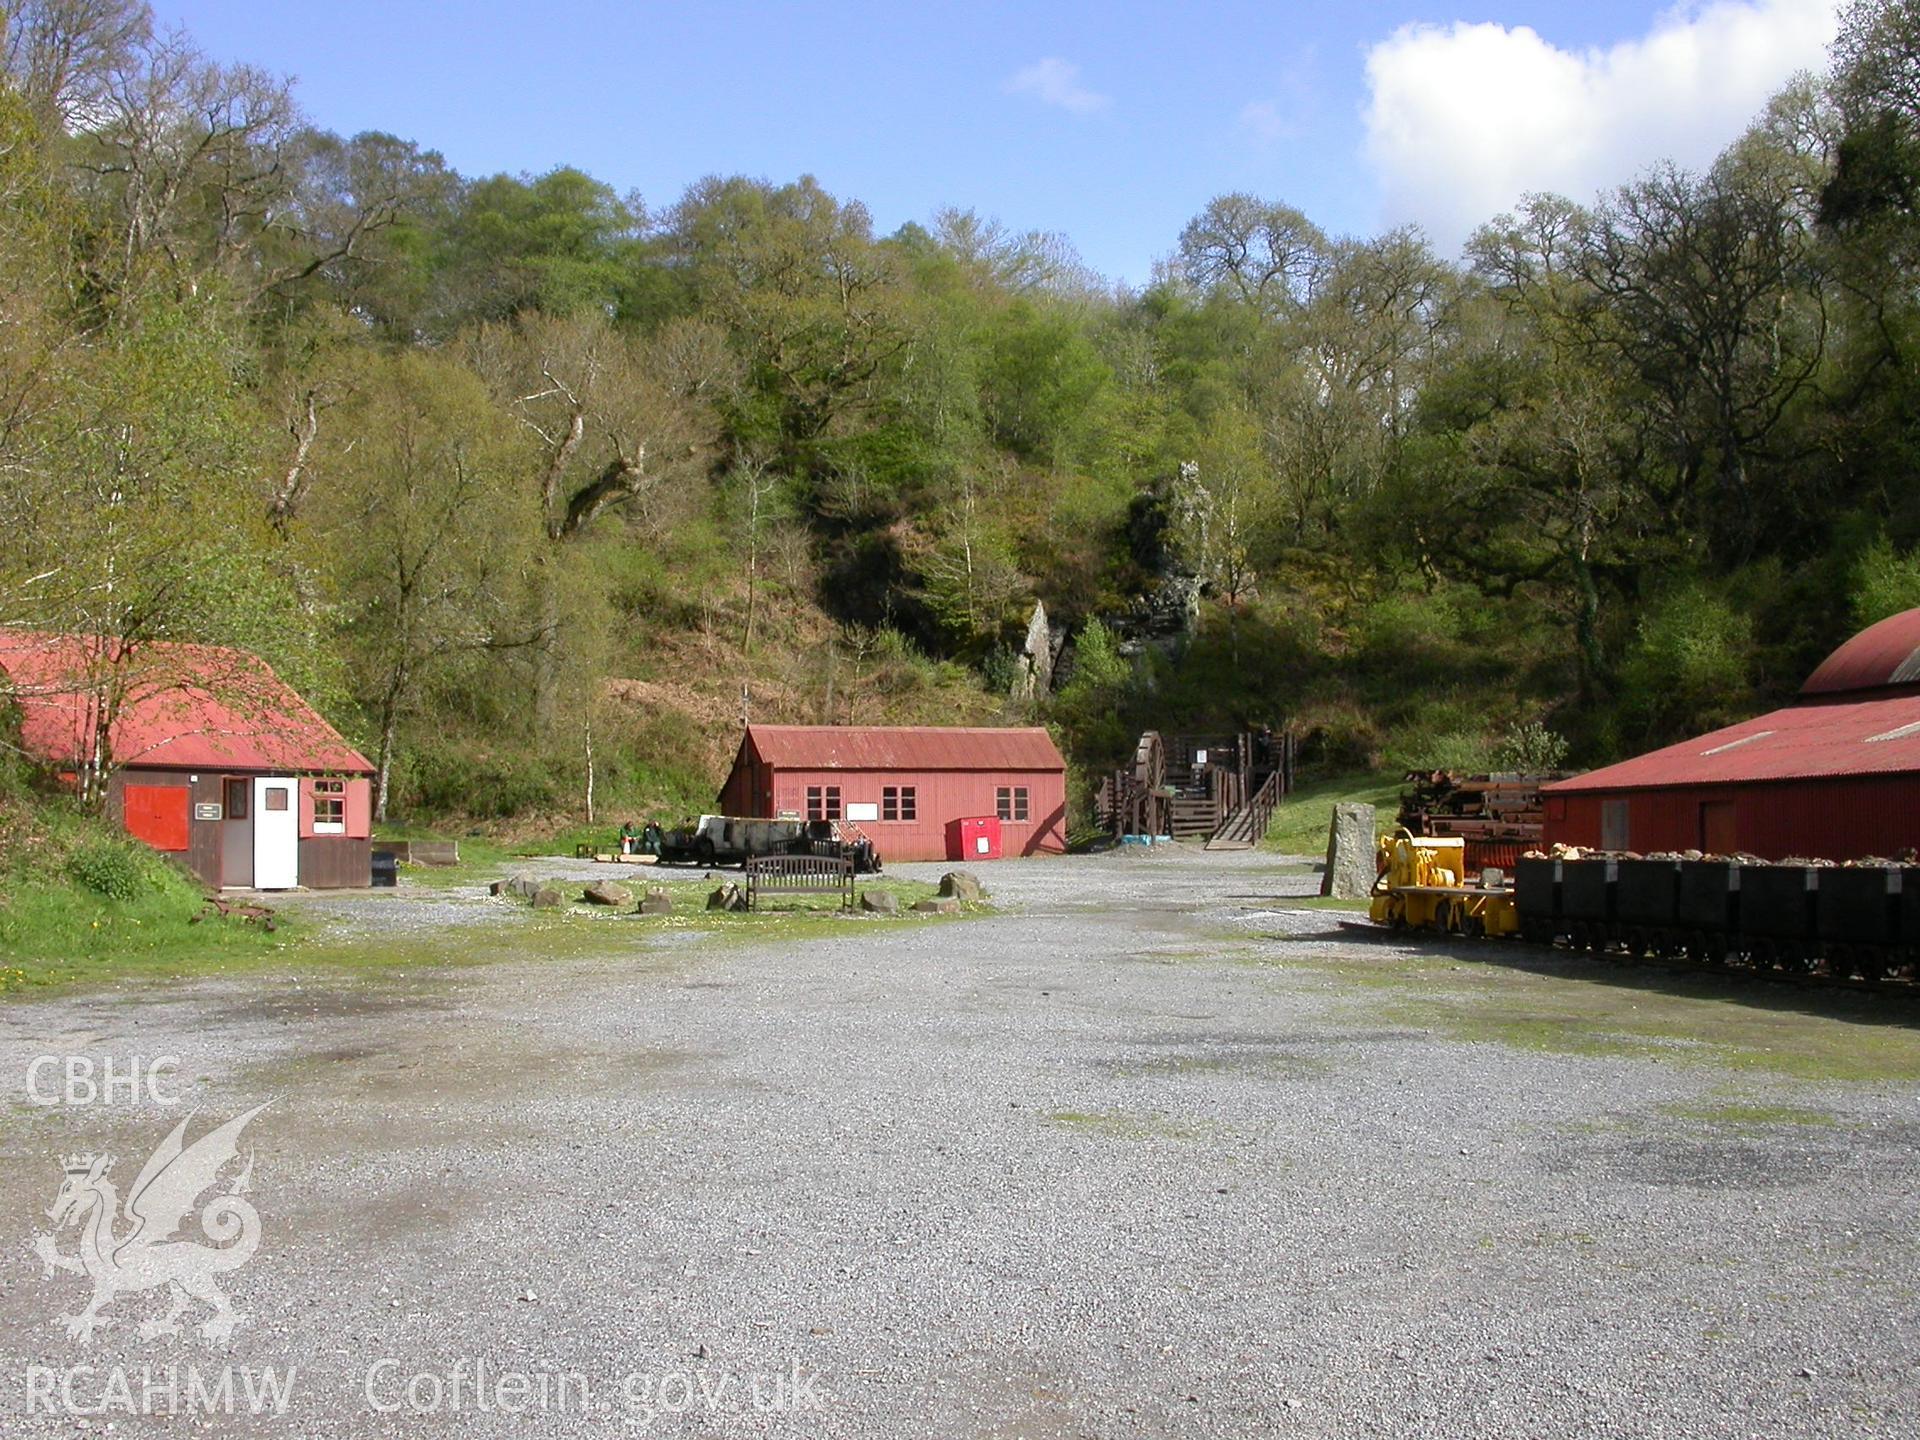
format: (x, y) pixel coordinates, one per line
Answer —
(1152, 1151)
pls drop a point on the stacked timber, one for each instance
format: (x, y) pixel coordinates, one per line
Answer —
(1498, 808)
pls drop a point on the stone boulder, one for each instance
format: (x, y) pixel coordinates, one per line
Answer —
(962, 886)
(727, 897)
(880, 902)
(547, 898)
(655, 902)
(938, 905)
(521, 887)
(607, 892)
(1351, 846)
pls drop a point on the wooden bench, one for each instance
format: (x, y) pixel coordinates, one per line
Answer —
(799, 875)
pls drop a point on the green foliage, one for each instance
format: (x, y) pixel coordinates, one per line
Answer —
(1884, 582)
(1092, 707)
(1687, 669)
(482, 463)
(114, 869)
(1530, 748)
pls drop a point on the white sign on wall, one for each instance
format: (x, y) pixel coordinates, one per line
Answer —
(867, 811)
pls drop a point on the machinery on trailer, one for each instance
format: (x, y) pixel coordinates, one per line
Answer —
(1423, 885)
(734, 839)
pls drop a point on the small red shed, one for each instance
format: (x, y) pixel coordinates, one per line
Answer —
(904, 785)
(219, 762)
(1834, 776)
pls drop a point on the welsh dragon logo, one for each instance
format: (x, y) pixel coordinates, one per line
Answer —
(147, 1255)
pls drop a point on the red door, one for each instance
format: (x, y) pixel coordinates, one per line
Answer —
(156, 814)
(1718, 832)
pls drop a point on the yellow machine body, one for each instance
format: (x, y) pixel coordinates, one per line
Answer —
(1422, 886)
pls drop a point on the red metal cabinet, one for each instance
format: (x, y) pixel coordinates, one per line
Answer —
(975, 838)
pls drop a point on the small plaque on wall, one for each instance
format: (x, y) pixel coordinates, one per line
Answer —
(863, 812)
(206, 810)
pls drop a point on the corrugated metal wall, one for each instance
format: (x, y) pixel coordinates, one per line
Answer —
(939, 796)
(1844, 818)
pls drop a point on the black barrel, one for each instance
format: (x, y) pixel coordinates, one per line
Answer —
(1707, 895)
(386, 870)
(1646, 893)
(1775, 902)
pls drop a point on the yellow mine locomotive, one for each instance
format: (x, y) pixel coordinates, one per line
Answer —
(1422, 885)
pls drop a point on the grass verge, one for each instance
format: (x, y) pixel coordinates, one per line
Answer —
(1299, 825)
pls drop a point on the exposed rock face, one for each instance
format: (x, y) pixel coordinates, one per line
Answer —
(656, 902)
(1033, 680)
(880, 902)
(1350, 851)
(938, 905)
(962, 886)
(607, 892)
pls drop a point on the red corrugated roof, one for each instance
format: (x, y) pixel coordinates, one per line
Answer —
(1880, 655)
(1880, 736)
(914, 747)
(187, 707)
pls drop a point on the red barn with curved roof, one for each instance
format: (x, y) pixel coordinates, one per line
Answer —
(903, 785)
(1835, 775)
(216, 759)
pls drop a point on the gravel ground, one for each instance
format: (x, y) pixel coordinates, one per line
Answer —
(1143, 1154)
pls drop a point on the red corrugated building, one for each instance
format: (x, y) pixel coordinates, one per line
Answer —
(903, 785)
(1836, 775)
(219, 762)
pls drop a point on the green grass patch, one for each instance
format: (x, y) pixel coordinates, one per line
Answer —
(1735, 1115)
(1643, 1014)
(1118, 1126)
(1300, 823)
(85, 902)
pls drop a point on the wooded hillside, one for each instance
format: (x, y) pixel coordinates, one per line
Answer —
(496, 468)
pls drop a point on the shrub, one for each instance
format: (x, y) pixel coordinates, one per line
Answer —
(1688, 668)
(113, 869)
(1884, 582)
(1530, 748)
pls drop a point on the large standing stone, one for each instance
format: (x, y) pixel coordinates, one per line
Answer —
(656, 902)
(880, 902)
(607, 892)
(1033, 677)
(727, 897)
(1351, 846)
(962, 886)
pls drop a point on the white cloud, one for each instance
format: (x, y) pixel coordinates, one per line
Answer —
(1057, 82)
(1465, 119)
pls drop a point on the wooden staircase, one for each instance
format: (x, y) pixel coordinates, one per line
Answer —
(1245, 827)
(1196, 788)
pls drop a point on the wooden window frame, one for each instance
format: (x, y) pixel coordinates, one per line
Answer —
(899, 803)
(823, 802)
(230, 787)
(329, 807)
(1011, 804)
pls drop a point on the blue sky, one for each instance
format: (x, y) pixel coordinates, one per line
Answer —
(1112, 124)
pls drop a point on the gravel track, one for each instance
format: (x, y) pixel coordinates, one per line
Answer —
(1120, 1160)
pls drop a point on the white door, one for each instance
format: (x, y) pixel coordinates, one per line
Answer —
(276, 833)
